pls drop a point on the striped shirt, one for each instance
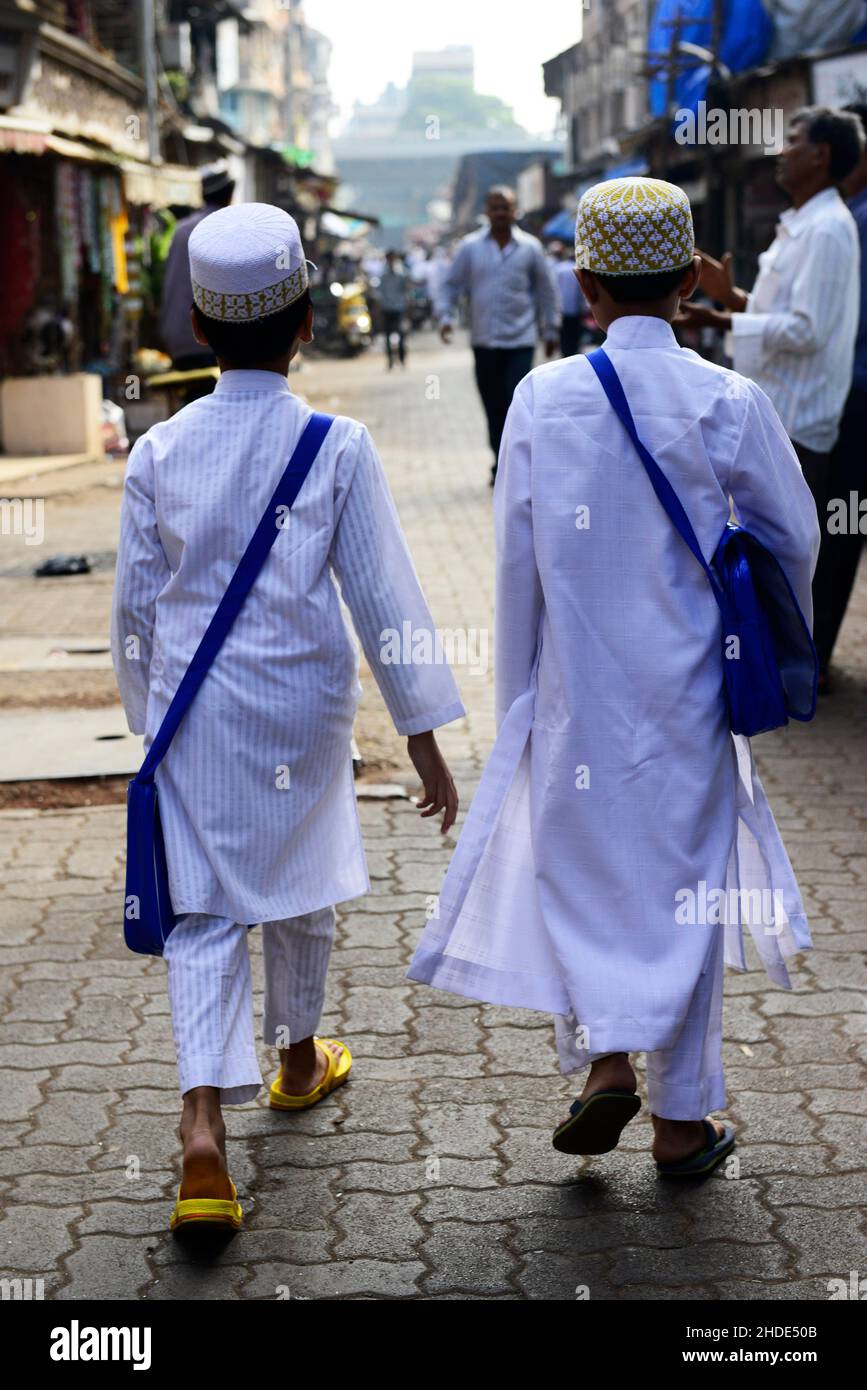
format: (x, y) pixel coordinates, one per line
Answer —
(511, 289)
(256, 794)
(797, 337)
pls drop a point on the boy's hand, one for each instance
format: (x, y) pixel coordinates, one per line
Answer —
(440, 793)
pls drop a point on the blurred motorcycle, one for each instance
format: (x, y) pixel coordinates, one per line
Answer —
(343, 322)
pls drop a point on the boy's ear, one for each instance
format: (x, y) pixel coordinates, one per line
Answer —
(692, 276)
(197, 332)
(587, 280)
(305, 333)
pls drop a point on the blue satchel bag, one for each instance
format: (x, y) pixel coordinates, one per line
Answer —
(148, 915)
(771, 671)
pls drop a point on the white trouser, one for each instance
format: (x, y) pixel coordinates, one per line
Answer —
(211, 995)
(685, 1081)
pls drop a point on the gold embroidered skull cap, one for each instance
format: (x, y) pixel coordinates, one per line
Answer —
(246, 262)
(634, 226)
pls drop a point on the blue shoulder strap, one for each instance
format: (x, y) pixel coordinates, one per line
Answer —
(611, 385)
(240, 585)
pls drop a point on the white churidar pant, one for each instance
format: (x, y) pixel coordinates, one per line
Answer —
(211, 995)
(685, 1080)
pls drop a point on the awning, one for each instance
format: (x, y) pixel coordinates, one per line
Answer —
(631, 168)
(162, 185)
(18, 139)
(154, 185)
(561, 226)
(345, 228)
(355, 216)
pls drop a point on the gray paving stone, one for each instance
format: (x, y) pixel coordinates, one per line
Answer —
(378, 1226)
(824, 1242)
(108, 1267)
(697, 1264)
(424, 1174)
(565, 1278)
(467, 1131)
(206, 1282)
(460, 1261)
(337, 1280)
(34, 1237)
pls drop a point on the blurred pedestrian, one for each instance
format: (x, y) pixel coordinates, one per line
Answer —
(841, 546)
(512, 297)
(573, 305)
(794, 335)
(186, 352)
(570, 890)
(393, 292)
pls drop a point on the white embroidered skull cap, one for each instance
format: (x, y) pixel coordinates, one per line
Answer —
(246, 262)
(634, 226)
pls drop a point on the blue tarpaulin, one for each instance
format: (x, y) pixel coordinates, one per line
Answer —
(747, 32)
(562, 224)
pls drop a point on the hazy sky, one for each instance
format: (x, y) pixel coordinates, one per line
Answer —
(374, 41)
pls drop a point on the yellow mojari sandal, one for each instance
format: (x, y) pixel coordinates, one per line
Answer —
(336, 1072)
(207, 1211)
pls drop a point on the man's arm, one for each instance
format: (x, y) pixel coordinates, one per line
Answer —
(518, 602)
(142, 573)
(547, 300)
(819, 291)
(378, 582)
(453, 284)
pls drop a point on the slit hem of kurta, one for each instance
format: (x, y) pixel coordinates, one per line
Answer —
(510, 988)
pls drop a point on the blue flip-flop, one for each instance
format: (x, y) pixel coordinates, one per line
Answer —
(596, 1124)
(706, 1158)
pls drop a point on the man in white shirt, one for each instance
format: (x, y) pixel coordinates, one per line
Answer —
(512, 296)
(794, 335)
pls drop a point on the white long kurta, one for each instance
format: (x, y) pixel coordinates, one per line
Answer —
(614, 783)
(256, 794)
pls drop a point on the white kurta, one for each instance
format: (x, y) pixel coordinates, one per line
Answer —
(256, 793)
(615, 784)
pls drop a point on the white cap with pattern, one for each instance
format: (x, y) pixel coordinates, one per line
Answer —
(246, 262)
(634, 226)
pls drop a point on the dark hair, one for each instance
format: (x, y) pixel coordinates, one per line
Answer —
(841, 131)
(221, 198)
(642, 289)
(261, 340)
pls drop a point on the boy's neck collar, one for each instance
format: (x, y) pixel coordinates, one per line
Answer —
(640, 330)
(251, 379)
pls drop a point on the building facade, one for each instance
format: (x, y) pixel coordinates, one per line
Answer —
(601, 84)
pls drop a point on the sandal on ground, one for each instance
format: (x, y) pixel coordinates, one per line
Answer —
(336, 1072)
(597, 1123)
(705, 1159)
(207, 1211)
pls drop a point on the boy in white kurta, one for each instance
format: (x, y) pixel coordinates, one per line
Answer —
(256, 792)
(616, 804)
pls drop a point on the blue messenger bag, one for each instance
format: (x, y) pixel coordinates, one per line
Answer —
(148, 914)
(773, 674)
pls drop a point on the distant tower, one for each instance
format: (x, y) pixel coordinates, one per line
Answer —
(456, 60)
